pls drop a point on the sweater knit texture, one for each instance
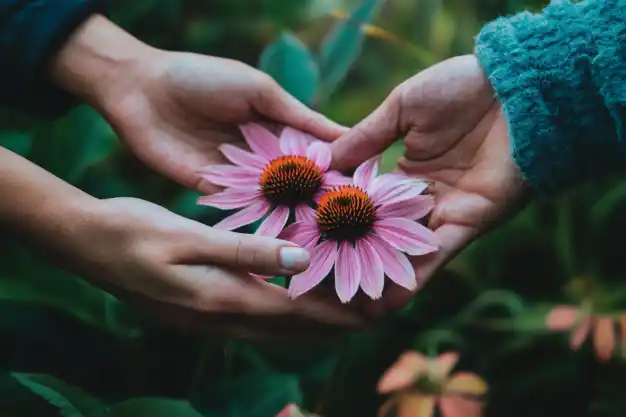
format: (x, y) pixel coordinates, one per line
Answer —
(560, 77)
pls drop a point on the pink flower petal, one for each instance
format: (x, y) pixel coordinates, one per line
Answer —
(293, 142)
(261, 141)
(389, 188)
(334, 179)
(562, 317)
(404, 193)
(415, 405)
(246, 216)
(231, 176)
(580, 333)
(231, 198)
(243, 158)
(456, 406)
(274, 223)
(604, 338)
(347, 272)
(319, 152)
(443, 364)
(404, 372)
(322, 260)
(303, 234)
(407, 236)
(372, 273)
(385, 183)
(395, 263)
(305, 213)
(414, 208)
(366, 172)
(467, 383)
(290, 410)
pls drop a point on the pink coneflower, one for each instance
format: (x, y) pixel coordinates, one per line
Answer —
(362, 231)
(278, 176)
(420, 384)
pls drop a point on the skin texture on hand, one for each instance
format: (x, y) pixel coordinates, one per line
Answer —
(174, 109)
(179, 270)
(455, 135)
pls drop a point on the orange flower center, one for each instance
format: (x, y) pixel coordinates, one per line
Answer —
(345, 213)
(290, 180)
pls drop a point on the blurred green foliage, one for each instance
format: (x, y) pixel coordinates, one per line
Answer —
(74, 351)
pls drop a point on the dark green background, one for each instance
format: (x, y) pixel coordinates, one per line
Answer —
(489, 304)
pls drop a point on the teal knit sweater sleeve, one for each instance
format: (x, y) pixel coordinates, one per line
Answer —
(560, 77)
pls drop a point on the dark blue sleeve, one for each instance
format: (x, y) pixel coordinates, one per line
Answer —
(31, 32)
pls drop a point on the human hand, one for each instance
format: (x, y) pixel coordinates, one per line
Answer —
(174, 109)
(454, 135)
(193, 276)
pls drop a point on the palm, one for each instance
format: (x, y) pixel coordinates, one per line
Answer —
(175, 119)
(454, 135)
(475, 181)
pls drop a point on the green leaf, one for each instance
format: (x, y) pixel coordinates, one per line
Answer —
(18, 142)
(258, 394)
(343, 45)
(67, 148)
(18, 401)
(149, 407)
(290, 63)
(25, 279)
(128, 13)
(314, 363)
(71, 401)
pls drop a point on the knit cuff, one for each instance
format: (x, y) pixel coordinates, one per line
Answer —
(552, 76)
(29, 39)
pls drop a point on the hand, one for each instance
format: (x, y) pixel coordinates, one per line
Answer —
(193, 276)
(174, 109)
(455, 135)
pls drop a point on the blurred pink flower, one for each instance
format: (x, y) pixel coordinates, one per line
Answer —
(582, 323)
(278, 176)
(290, 410)
(362, 231)
(422, 383)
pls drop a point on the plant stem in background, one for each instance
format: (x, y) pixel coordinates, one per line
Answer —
(338, 372)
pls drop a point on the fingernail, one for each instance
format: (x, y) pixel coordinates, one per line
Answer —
(293, 258)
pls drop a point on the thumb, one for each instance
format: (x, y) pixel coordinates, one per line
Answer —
(252, 253)
(279, 106)
(368, 138)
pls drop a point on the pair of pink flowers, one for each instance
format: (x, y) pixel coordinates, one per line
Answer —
(361, 226)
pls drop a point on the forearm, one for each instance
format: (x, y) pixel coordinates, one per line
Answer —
(559, 77)
(40, 208)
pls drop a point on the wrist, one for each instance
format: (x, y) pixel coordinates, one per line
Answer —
(556, 81)
(100, 63)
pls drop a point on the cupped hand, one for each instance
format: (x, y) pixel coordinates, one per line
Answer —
(454, 135)
(196, 277)
(173, 109)
(182, 106)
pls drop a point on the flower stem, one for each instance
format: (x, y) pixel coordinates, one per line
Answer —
(335, 377)
(198, 374)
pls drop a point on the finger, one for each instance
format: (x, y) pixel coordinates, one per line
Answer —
(369, 137)
(219, 292)
(250, 253)
(278, 105)
(453, 238)
(312, 311)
